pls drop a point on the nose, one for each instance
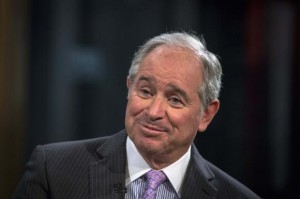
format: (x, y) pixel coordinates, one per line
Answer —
(156, 109)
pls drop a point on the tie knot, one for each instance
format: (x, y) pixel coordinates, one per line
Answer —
(155, 178)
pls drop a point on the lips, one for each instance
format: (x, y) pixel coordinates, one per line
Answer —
(153, 129)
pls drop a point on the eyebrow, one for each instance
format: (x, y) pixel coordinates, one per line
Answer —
(150, 79)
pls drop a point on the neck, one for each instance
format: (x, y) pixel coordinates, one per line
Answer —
(160, 161)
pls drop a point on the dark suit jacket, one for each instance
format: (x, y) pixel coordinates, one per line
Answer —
(95, 168)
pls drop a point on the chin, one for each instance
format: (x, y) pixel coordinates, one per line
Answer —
(148, 145)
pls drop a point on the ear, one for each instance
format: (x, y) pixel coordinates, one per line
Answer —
(208, 115)
(128, 83)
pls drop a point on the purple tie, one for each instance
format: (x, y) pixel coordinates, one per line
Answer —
(154, 179)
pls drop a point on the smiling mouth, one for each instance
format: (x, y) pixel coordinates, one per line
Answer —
(153, 128)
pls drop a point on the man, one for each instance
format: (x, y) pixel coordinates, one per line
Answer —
(173, 88)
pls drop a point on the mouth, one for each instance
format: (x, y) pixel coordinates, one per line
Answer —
(152, 129)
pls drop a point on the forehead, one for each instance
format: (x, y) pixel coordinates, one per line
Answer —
(172, 54)
(172, 63)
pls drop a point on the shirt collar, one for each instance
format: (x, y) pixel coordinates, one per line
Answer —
(137, 166)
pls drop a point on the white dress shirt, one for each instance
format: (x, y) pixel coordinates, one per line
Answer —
(137, 166)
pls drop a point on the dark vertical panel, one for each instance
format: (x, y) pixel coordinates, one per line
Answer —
(294, 177)
(256, 97)
(13, 95)
(39, 36)
(280, 52)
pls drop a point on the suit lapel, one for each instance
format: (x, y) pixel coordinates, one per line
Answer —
(196, 182)
(107, 175)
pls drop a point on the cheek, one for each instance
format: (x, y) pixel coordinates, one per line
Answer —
(134, 112)
(185, 121)
(134, 107)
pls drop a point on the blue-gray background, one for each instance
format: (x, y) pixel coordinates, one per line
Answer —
(75, 55)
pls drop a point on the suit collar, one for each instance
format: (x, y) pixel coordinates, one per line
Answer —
(196, 183)
(107, 174)
(112, 143)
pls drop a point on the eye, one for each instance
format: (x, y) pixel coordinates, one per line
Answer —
(176, 102)
(145, 93)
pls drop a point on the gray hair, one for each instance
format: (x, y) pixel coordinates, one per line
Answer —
(209, 89)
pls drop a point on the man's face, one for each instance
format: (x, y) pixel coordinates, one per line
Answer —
(163, 109)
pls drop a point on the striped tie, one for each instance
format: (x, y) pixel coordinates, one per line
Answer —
(154, 179)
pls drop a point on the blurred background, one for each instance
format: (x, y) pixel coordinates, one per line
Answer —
(63, 68)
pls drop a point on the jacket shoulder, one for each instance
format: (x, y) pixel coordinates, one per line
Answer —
(227, 185)
(224, 184)
(87, 147)
(58, 169)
